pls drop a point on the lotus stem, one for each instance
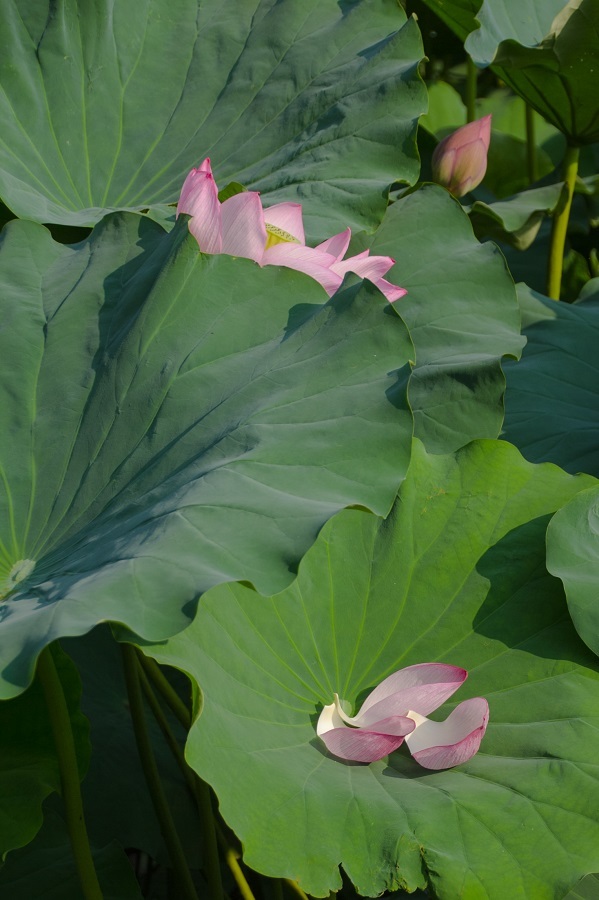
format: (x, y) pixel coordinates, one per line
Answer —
(561, 218)
(234, 867)
(294, 886)
(531, 146)
(132, 669)
(62, 732)
(164, 687)
(198, 789)
(471, 87)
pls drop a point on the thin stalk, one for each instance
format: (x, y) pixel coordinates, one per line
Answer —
(471, 86)
(277, 889)
(167, 691)
(531, 146)
(560, 225)
(198, 789)
(150, 770)
(60, 722)
(234, 867)
(296, 888)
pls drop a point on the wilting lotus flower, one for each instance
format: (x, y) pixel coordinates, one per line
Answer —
(273, 236)
(396, 710)
(460, 160)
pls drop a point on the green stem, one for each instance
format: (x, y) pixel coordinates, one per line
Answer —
(531, 146)
(150, 770)
(198, 789)
(560, 225)
(277, 889)
(167, 691)
(471, 85)
(62, 732)
(296, 888)
(234, 867)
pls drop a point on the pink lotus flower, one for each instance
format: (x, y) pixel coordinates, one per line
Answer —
(396, 710)
(460, 160)
(273, 236)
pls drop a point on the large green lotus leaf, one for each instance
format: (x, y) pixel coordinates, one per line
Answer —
(552, 400)
(546, 51)
(44, 870)
(573, 555)
(456, 574)
(28, 764)
(109, 104)
(462, 313)
(115, 793)
(171, 421)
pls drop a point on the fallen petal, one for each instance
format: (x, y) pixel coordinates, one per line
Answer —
(424, 687)
(442, 745)
(360, 746)
(357, 744)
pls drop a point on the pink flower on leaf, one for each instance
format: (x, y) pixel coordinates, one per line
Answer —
(396, 711)
(273, 236)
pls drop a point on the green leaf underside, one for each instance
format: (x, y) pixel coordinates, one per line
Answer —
(178, 421)
(28, 764)
(587, 889)
(515, 220)
(548, 61)
(109, 105)
(45, 869)
(525, 21)
(553, 69)
(462, 314)
(457, 575)
(573, 556)
(552, 400)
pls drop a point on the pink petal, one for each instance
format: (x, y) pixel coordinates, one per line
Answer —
(368, 745)
(199, 199)
(244, 233)
(287, 216)
(310, 260)
(442, 745)
(373, 268)
(365, 266)
(337, 245)
(423, 687)
(390, 291)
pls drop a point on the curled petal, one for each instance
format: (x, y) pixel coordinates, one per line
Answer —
(373, 268)
(359, 744)
(313, 262)
(243, 229)
(423, 687)
(287, 217)
(199, 199)
(336, 245)
(442, 745)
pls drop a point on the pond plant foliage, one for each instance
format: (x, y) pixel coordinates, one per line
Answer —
(299, 509)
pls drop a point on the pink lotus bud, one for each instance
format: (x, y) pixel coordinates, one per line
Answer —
(460, 160)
